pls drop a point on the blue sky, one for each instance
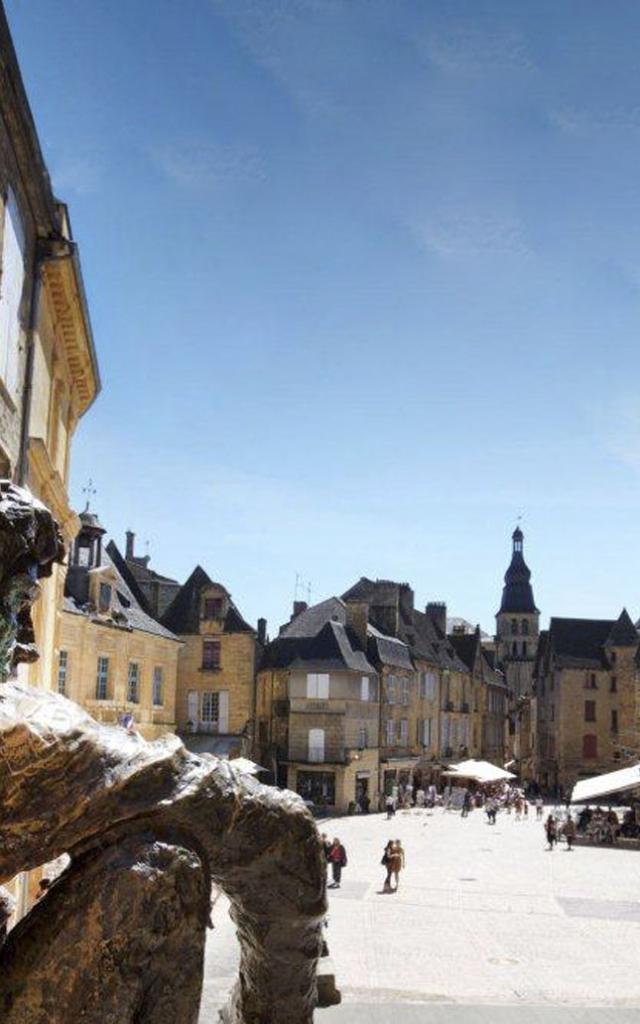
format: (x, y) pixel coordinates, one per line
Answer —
(365, 282)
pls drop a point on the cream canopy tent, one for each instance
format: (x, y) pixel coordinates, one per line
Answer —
(478, 771)
(606, 785)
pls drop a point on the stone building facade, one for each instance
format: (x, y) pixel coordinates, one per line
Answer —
(113, 657)
(317, 715)
(215, 695)
(584, 712)
(48, 367)
(488, 693)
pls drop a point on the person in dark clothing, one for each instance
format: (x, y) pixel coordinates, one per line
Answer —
(326, 845)
(338, 860)
(551, 830)
(386, 863)
(466, 804)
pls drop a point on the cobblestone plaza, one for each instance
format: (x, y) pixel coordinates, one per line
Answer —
(485, 919)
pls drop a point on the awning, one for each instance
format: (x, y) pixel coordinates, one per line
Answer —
(478, 771)
(605, 785)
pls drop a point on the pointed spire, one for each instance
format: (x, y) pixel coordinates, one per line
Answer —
(623, 632)
(517, 595)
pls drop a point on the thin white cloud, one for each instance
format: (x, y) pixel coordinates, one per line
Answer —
(584, 121)
(467, 234)
(204, 166)
(465, 48)
(294, 41)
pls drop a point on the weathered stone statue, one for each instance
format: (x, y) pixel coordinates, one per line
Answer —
(119, 937)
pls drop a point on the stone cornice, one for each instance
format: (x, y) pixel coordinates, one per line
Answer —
(73, 330)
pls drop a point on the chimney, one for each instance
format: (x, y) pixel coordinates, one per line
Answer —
(262, 631)
(437, 612)
(298, 608)
(131, 538)
(358, 619)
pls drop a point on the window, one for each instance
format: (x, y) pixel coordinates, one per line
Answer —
(157, 695)
(63, 662)
(612, 657)
(212, 608)
(590, 681)
(524, 628)
(210, 655)
(104, 597)
(404, 692)
(102, 680)
(589, 710)
(613, 685)
(320, 787)
(364, 688)
(210, 708)
(11, 286)
(133, 682)
(316, 745)
(428, 685)
(391, 689)
(318, 685)
(614, 720)
(514, 648)
(426, 732)
(514, 627)
(362, 737)
(524, 648)
(84, 555)
(404, 731)
(590, 746)
(390, 732)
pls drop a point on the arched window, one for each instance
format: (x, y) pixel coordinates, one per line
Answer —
(514, 627)
(524, 648)
(316, 745)
(524, 628)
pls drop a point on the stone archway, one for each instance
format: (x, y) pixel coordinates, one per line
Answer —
(156, 825)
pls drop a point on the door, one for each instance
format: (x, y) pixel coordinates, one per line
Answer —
(192, 710)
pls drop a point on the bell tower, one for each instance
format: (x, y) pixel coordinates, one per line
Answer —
(517, 622)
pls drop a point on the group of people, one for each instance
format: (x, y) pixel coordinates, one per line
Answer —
(407, 795)
(393, 861)
(554, 829)
(336, 857)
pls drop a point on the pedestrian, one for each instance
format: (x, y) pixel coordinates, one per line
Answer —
(389, 804)
(569, 831)
(396, 862)
(551, 830)
(525, 807)
(338, 860)
(491, 808)
(386, 858)
(517, 803)
(539, 808)
(466, 804)
(326, 845)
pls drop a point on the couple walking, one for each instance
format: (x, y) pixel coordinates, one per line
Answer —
(393, 860)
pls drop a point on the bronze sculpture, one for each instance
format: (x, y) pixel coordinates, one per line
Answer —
(119, 937)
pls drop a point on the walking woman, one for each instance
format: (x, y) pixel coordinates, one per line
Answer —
(337, 858)
(396, 862)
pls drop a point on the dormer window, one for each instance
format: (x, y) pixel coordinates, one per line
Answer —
(212, 608)
(84, 555)
(104, 597)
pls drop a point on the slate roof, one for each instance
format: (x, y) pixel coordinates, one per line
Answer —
(183, 614)
(130, 613)
(517, 593)
(388, 650)
(623, 633)
(334, 647)
(466, 647)
(311, 621)
(580, 643)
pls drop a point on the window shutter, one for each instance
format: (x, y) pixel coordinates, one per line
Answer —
(223, 712)
(11, 285)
